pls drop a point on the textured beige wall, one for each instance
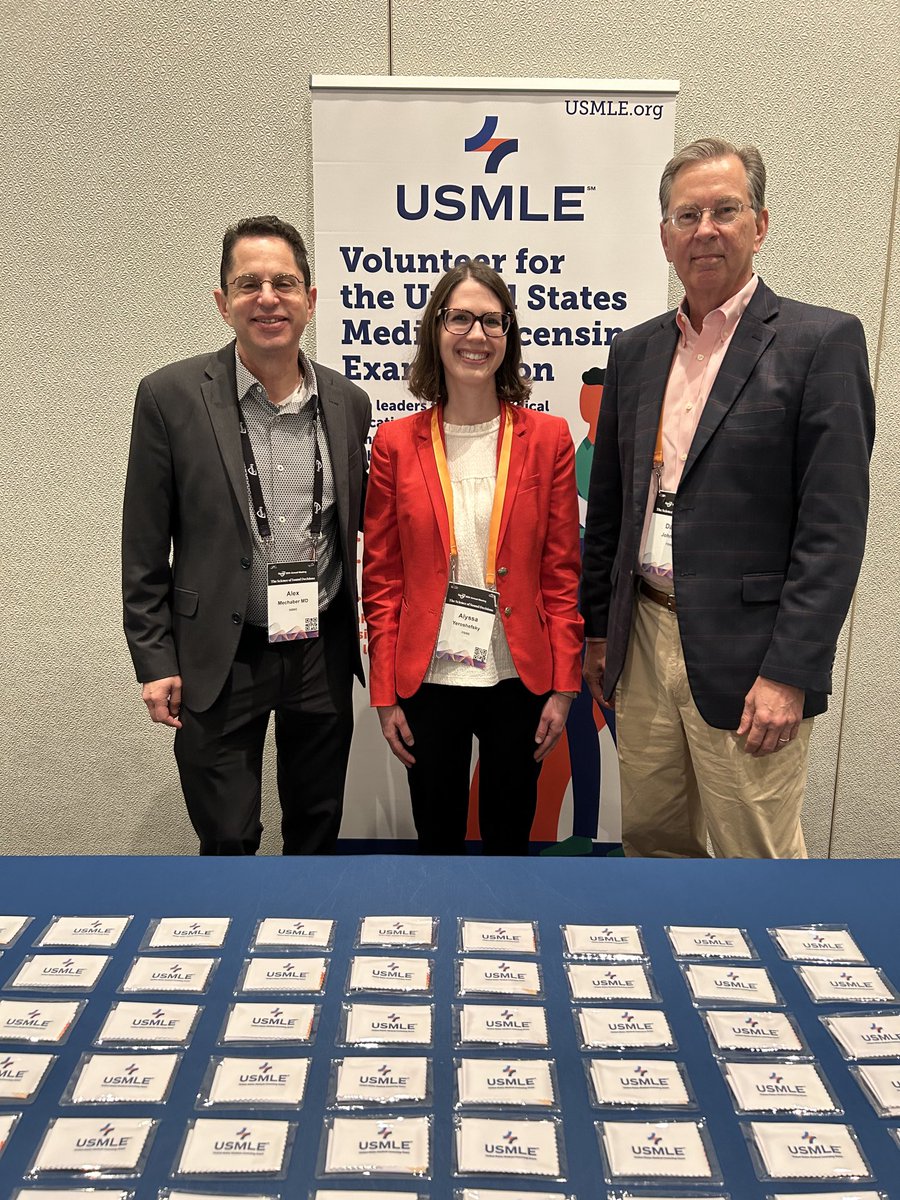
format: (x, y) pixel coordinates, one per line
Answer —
(133, 132)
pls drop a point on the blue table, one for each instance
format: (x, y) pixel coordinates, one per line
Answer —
(753, 895)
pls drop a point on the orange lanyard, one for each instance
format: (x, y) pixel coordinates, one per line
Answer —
(440, 458)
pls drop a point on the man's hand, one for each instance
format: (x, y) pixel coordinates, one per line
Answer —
(163, 700)
(397, 732)
(551, 724)
(593, 669)
(771, 717)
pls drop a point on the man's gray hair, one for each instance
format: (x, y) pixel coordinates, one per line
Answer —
(705, 148)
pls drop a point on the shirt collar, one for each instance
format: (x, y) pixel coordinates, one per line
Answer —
(728, 313)
(306, 390)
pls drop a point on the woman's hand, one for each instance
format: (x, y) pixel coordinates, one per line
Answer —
(551, 724)
(397, 733)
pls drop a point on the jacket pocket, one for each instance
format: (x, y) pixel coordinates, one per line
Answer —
(762, 589)
(184, 602)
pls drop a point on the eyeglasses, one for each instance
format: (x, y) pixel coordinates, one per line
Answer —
(726, 212)
(250, 285)
(460, 320)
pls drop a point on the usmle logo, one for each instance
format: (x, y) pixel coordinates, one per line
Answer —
(496, 148)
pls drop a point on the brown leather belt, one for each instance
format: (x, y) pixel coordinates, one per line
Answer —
(665, 599)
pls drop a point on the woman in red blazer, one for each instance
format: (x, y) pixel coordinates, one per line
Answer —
(470, 573)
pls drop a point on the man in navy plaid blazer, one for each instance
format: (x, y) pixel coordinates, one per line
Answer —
(725, 528)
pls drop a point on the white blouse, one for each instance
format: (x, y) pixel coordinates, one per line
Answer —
(472, 463)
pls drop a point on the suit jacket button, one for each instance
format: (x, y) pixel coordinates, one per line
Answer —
(245, 563)
(503, 570)
(507, 612)
(236, 618)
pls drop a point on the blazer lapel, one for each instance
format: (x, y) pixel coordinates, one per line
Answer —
(517, 453)
(425, 451)
(750, 339)
(334, 418)
(655, 375)
(219, 391)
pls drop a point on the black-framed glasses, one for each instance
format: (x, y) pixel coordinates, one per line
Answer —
(460, 320)
(726, 212)
(250, 285)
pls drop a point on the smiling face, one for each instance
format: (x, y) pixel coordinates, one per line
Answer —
(712, 261)
(471, 360)
(267, 325)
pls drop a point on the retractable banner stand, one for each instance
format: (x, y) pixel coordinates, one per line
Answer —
(554, 184)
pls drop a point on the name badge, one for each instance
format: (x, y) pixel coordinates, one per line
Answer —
(467, 623)
(293, 601)
(657, 556)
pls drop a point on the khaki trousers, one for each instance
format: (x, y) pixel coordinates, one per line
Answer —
(684, 781)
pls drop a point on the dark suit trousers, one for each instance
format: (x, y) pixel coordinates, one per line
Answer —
(443, 719)
(308, 685)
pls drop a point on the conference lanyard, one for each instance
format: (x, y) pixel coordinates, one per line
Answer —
(259, 506)
(440, 458)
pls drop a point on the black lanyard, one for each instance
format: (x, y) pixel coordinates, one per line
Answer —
(256, 496)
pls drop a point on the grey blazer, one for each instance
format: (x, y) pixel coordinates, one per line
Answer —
(186, 498)
(770, 518)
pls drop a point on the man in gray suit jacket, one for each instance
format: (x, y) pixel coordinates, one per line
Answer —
(243, 501)
(725, 528)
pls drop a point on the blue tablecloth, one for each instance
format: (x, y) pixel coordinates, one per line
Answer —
(752, 895)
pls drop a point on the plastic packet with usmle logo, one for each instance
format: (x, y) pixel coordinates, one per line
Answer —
(871, 1035)
(805, 1151)
(139, 1024)
(103, 1146)
(639, 1082)
(398, 932)
(87, 932)
(122, 1079)
(756, 1032)
(186, 933)
(283, 1022)
(506, 1024)
(58, 973)
(603, 942)
(529, 1147)
(384, 1145)
(505, 1083)
(237, 1147)
(816, 943)
(262, 1081)
(658, 1150)
(504, 937)
(789, 1086)
(394, 973)
(622, 1029)
(11, 929)
(730, 983)
(710, 941)
(284, 975)
(397, 1080)
(22, 1075)
(880, 1084)
(293, 933)
(376, 1025)
(844, 983)
(38, 1022)
(619, 982)
(156, 973)
(499, 977)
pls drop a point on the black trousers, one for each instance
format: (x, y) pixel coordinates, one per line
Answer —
(309, 686)
(443, 720)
